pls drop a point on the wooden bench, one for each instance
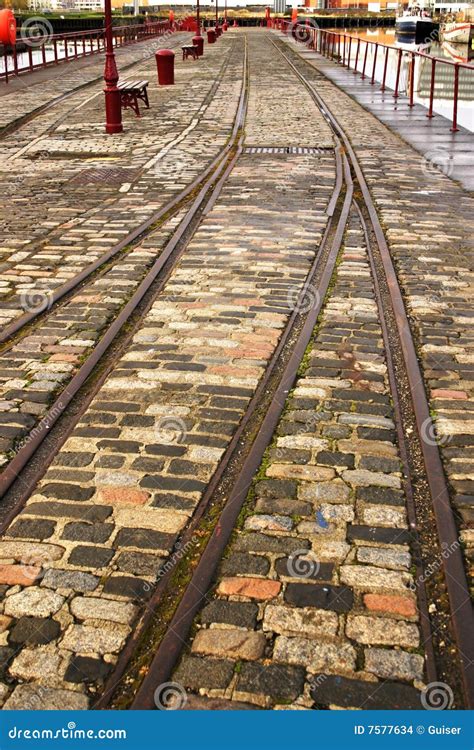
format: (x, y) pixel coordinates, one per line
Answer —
(190, 49)
(131, 92)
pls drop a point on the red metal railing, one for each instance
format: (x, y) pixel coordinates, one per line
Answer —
(25, 57)
(333, 44)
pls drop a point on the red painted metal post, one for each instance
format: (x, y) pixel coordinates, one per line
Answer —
(397, 82)
(113, 105)
(357, 56)
(387, 52)
(411, 103)
(344, 50)
(365, 59)
(432, 87)
(217, 18)
(165, 66)
(55, 46)
(349, 54)
(455, 128)
(375, 63)
(5, 58)
(43, 55)
(15, 61)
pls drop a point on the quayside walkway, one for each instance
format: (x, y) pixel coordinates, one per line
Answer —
(236, 397)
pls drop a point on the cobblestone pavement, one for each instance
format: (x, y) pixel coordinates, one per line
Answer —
(35, 368)
(429, 225)
(99, 526)
(313, 606)
(43, 87)
(59, 220)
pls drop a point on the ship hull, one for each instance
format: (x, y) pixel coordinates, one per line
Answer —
(420, 28)
(461, 33)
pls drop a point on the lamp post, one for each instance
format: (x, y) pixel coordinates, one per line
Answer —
(217, 16)
(198, 40)
(113, 106)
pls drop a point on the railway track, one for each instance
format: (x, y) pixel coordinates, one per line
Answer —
(56, 291)
(47, 307)
(26, 119)
(199, 196)
(165, 624)
(424, 482)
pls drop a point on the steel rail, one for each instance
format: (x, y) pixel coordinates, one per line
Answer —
(25, 119)
(173, 205)
(39, 433)
(462, 614)
(277, 405)
(194, 595)
(325, 49)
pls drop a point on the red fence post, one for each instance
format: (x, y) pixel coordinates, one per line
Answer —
(411, 103)
(375, 63)
(384, 78)
(365, 60)
(432, 87)
(455, 128)
(357, 56)
(397, 82)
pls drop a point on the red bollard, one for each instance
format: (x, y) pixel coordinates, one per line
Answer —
(218, 31)
(225, 26)
(198, 42)
(165, 65)
(211, 36)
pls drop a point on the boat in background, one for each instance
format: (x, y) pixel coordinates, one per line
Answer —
(416, 21)
(459, 52)
(458, 28)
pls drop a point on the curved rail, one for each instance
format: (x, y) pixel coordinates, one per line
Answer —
(73, 283)
(396, 332)
(461, 610)
(170, 255)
